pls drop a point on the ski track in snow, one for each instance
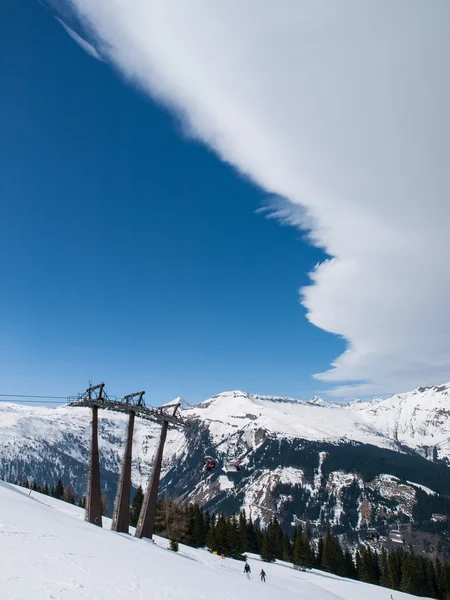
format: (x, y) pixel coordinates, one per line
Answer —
(48, 552)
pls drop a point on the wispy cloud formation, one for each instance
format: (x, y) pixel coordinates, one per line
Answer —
(341, 109)
(86, 46)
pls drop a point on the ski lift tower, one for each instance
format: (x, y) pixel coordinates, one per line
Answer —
(146, 521)
(121, 514)
(95, 397)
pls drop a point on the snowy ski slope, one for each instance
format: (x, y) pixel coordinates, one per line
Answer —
(47, 551)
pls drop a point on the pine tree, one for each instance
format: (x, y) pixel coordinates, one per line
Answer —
(394, 570)
(162, 516)
(222, 535)
(267, 552)
(297, 553)
(259, 539)
(242, 531)
(69, 496)
(308, 534)
(276, 538)
(136, 506)
(190, 517)
(105, 503)
(297, 530)
(59, 490)
(415, 576)
(236, 547)
(172, 519)
(350, 568)
(432, 583)
(332, 556)
(367, 566)
(206, 524)
(195, 526)
(440, 584)
(425, 577)
(408, 576)
(359, 565)
(287, 548)
(211, 541)
(302, 555)
(253, 537)
(319, 555)
(384, 572)
(445, 581)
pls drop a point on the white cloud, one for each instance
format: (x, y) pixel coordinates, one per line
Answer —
(86, 46)
(342, 109)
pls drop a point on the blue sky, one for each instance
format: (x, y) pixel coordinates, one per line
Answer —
(130, 253)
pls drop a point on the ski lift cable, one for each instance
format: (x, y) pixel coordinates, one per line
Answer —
(48, 399)
(33, 396)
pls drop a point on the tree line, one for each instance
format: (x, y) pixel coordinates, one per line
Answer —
(235, 535)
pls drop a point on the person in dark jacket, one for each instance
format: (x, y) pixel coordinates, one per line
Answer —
(263, 575)
(247, 570)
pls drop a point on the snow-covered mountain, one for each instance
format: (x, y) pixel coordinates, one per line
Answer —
(231, 413)
(418, 419)
(367, 462)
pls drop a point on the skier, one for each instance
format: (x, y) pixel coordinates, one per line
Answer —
(263, 575)
(247, 570)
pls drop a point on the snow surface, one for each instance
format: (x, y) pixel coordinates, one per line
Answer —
(390, 487)
(47, 551)
(337, 481)
(423, 488)
(259, 499)
(225, 483)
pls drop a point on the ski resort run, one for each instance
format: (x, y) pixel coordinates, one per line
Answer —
(47, 551)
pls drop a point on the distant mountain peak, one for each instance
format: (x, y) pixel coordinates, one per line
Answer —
(316, 401)
(445, 387)
(231, 395)
(238, 395)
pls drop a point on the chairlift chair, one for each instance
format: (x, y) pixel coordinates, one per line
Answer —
(232, 463)
(232, 467)
(209, 463)
(396, 536)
